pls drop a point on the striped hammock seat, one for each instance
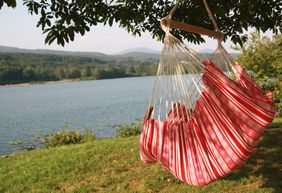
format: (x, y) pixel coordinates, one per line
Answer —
(206, 132)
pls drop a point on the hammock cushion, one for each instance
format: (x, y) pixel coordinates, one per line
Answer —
(228, 119)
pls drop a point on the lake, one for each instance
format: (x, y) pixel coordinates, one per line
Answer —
(97, 104)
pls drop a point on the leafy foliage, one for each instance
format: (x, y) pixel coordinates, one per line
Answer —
(65, 136)
(262, 57)
(23, 145)
(127, 130)
(276, 123)
(9, 3)
(62, 20)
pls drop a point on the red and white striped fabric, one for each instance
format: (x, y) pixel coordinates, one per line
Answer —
(228, 119)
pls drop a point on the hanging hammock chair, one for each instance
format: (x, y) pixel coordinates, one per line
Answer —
(201, 124)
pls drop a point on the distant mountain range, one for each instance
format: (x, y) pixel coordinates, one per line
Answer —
(139, 49)
(206, 50)
(6, 49)
(135, 53)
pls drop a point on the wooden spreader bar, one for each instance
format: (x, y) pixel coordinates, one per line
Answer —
(191, 28)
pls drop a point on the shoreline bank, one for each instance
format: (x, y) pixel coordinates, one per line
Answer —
(39, 82)
(63, 81)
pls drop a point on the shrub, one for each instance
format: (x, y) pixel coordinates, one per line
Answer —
(23, 145)
(127, 130)
(64, 136)
(277, 123)
(263, 57)
(273, 85)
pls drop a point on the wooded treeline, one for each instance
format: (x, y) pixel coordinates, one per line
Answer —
(23, 67)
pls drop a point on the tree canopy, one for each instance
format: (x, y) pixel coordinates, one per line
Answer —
(61, 20)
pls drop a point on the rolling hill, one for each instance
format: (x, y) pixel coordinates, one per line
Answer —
(139, 53)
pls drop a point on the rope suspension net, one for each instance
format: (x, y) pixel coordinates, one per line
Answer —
(201, 124)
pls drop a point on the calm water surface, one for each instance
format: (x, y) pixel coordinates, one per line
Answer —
(98, 104)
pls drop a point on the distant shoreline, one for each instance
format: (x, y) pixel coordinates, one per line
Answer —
(61, 81)
(14, 85)
(40, 82)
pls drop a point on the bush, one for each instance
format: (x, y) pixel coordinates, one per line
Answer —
(273, 85)
(65, 136)
(276, 123)
(23, 145)
(127, 130)
(263, 58)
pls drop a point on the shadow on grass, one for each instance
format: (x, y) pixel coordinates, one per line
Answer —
(265, 162)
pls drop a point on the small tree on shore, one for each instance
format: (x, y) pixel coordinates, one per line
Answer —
(262, 57)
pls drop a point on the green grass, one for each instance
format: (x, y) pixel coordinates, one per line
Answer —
(276, 123)
(113, 165)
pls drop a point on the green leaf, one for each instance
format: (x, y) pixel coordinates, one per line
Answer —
(48, 22)
(87, 28)
(111, 21)
(1, 4)
(82, 31)
(10, 3)
(71, 35)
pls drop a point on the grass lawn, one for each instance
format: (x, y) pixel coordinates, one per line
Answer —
(113, 165)
(276, 123)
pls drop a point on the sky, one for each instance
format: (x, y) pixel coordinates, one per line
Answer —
(18, 29)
